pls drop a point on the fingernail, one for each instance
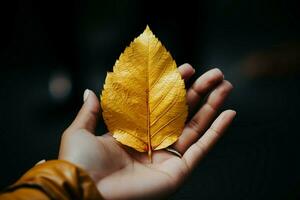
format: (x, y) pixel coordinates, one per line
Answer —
(193, 70)
(234, 112)
(190, 66)
(40, 162)
(86, 94)
(218, 71)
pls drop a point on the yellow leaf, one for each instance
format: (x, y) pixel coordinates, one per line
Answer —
(144, 98)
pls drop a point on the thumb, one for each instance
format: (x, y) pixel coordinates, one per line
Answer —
(88, 114)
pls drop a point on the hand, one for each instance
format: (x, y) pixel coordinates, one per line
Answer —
(122, 173)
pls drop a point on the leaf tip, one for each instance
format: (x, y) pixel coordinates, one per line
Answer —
(148, 30)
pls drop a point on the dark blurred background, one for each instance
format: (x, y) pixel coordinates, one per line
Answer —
(52, 50)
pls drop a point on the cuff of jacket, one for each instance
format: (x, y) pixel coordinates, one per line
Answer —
(58, 179)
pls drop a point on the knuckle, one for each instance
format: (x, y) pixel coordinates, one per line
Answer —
(194, 124)
(214, 131)
(201, 147)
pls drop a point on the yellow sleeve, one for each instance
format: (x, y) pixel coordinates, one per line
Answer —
(55, 179)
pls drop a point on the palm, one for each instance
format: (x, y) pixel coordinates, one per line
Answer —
(123, 173)
(128, 170)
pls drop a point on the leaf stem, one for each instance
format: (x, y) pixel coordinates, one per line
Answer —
(148, 128)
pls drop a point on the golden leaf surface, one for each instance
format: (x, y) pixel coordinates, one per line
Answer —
(144, 98)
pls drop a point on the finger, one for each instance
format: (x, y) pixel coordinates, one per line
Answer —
(186, 71)
(203, 85)
(198, 150)
(88, 114)
(204, 117)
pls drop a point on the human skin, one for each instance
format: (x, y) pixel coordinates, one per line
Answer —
(120, 172)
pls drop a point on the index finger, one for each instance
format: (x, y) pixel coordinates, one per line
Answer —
(186, 71)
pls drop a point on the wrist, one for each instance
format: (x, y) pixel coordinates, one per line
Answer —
(59, 179)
